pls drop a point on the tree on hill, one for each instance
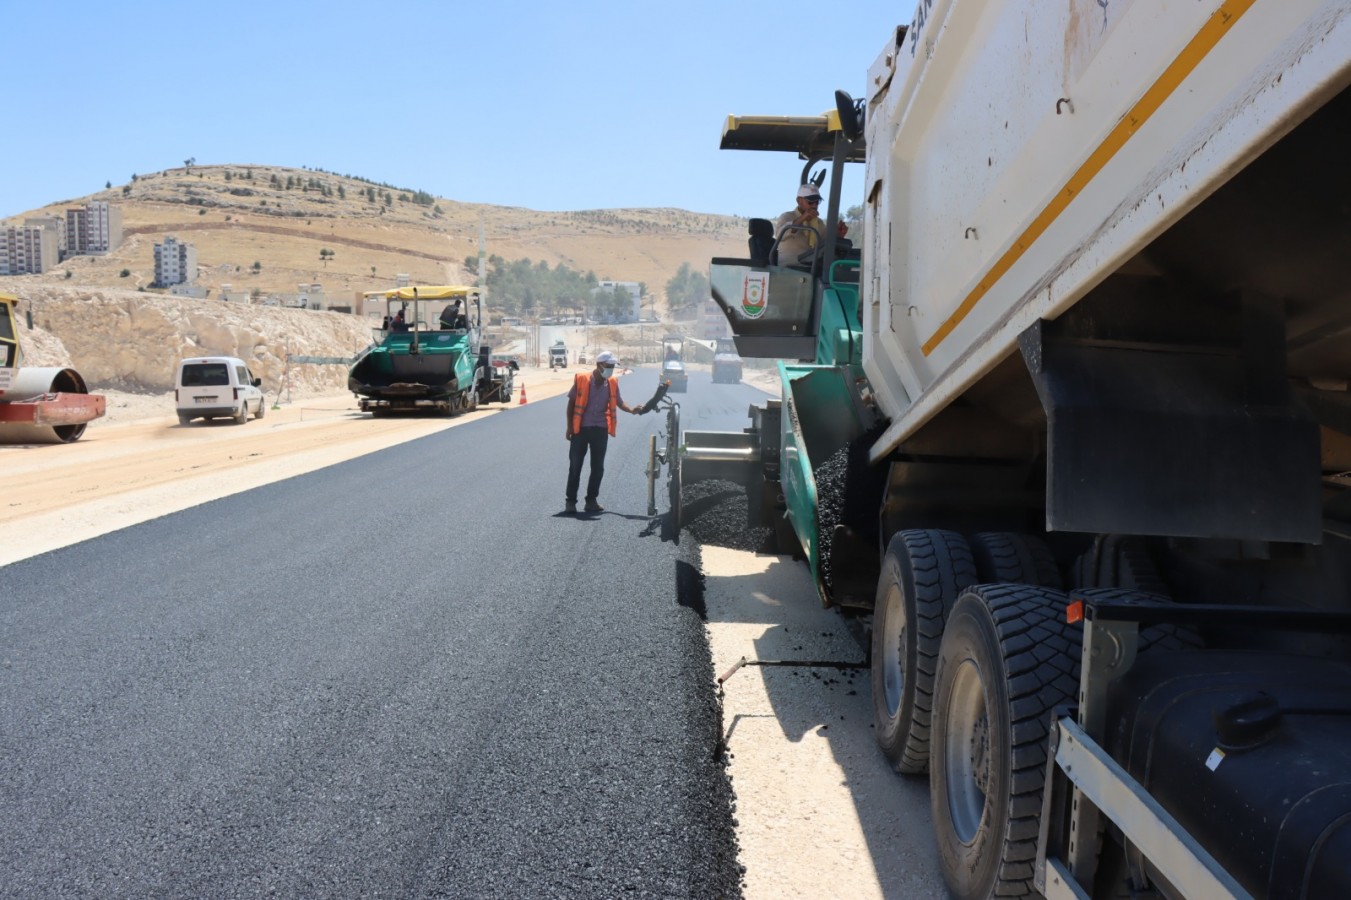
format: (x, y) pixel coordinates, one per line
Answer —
(685, 291)
(527, 286)
(853, 217)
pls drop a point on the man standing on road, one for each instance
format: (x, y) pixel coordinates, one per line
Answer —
(592, 405)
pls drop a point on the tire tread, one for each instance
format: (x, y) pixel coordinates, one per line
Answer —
(1039, 661)
(940, 566)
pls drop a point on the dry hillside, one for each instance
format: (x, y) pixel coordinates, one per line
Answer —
(238, 215)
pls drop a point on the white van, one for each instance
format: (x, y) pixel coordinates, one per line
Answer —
(208, 387)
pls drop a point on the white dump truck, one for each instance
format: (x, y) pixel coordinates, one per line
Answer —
(1067, 427)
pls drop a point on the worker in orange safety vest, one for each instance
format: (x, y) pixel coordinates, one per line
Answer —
(592, 405)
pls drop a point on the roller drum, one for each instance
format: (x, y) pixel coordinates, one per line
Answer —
(46, 405)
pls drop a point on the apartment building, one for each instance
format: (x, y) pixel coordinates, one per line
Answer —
(93, 229)
(28, 249)
(56, 225)
(175, 262)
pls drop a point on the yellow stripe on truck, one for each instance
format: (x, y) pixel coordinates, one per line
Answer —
(1211, 33)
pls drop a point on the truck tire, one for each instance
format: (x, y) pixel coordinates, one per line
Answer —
(923, 574)
(184, 418)
(1005, 557)
(1006, 661)
(262, 407)
(243, 415)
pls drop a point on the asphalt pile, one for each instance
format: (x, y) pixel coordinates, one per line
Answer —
(719, 513)
(848, 492)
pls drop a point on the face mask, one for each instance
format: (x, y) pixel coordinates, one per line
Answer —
(606, 373)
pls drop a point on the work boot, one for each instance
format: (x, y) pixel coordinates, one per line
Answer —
(593, 507)
(570, 506)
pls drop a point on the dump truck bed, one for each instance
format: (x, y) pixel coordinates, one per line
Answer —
(1026, 160)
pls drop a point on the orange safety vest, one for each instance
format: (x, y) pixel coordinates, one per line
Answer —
(579, 405)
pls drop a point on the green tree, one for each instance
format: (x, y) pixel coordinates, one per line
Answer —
(614, 302)
(107, 185)
(325, 255)
(853, 217)
(257, 267)
(125, 273)
(685, 291)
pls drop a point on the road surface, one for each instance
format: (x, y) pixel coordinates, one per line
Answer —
(818, 813)
(399, 675)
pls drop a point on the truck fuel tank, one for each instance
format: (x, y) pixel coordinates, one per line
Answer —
(1251, 752)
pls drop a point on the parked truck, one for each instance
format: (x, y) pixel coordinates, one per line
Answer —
(39, 404)
(1068, 428)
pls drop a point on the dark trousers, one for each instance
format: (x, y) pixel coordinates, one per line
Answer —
(594, 439)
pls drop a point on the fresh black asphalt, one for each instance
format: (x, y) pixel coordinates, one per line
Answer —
(406, 675)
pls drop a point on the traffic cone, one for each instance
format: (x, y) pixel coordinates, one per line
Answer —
(522, 403)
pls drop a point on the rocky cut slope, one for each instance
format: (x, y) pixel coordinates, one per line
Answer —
(131, 340)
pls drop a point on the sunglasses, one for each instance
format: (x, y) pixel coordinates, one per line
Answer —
(814, 201)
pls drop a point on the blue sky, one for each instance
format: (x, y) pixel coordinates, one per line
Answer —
(551, 106)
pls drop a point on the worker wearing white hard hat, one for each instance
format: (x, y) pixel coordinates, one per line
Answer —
(801, 229)
(592, 406)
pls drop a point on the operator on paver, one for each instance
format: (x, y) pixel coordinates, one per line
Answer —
(794, 243)
(592, 405)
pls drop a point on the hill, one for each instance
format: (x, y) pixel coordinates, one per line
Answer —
(282, 218)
